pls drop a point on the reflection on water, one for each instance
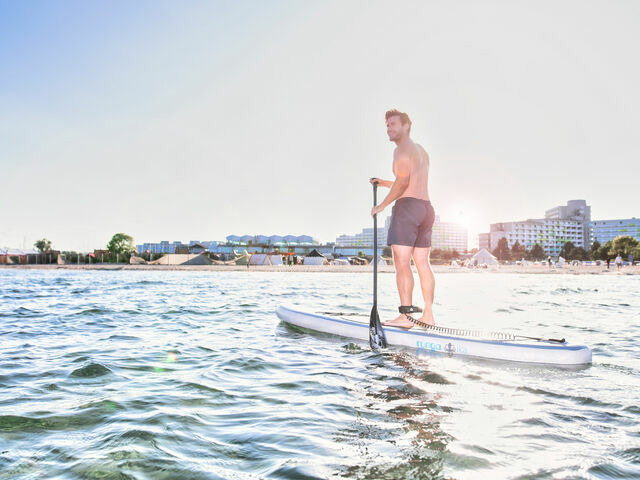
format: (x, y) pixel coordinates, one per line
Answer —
(191, 375)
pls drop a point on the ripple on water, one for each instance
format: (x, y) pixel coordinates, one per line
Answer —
(92, 370)
(50, 423)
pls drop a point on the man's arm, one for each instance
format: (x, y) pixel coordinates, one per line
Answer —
(402, 171)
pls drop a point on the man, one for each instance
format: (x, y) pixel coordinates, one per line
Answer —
(411, 220)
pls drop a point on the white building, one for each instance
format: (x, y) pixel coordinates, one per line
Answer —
(605, 230)
(571, 222)
(449, 236)
(550, 234)
(162, 247)
(365, 237)
(576, 210)
(484, 241)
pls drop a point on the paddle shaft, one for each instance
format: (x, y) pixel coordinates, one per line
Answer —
(375, 247)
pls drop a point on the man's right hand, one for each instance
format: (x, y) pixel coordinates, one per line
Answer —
(380, 182)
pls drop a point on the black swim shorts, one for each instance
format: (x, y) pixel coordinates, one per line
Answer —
(411, 223)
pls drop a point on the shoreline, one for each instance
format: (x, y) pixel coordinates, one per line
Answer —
(438, 269)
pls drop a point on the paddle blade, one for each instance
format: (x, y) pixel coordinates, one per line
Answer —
(377, 338)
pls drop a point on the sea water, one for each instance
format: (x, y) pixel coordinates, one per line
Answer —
(190, 375)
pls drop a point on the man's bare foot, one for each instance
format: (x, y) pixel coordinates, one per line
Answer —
(400, 321)
(427, 318)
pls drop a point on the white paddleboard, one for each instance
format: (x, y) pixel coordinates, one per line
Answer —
(426, 342)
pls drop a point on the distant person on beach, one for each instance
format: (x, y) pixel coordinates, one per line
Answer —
(549, 260)
(619, 262)
(412, 220)
(608, 262)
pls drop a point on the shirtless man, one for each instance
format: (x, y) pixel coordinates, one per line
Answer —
(411, 219)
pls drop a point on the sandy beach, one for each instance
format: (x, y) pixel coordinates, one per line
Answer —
(438, 269)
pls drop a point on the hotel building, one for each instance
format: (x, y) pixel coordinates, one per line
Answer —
(159, 247)
(571, 222)
(449, 236)
(365, 237)
(605, 230)
(484, 241)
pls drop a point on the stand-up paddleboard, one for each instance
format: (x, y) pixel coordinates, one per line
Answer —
(498, 346)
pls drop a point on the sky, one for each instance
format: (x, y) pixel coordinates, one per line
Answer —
(195, 120)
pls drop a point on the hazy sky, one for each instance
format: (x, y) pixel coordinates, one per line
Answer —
(199, 119)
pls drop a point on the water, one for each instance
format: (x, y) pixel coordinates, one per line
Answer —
(190, 375)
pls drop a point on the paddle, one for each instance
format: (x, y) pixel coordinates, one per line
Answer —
(377, 338)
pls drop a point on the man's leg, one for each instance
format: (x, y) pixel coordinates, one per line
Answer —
(427, 282)
(404, 281)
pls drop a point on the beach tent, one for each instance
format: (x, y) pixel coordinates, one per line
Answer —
(134, 260)
(314, 258)
(381, 260)
(484, 257)
(182, 259)
(275, 259)
(314, 261)
(242, 259)
(260, 259)
(201, 259)
(560, 262)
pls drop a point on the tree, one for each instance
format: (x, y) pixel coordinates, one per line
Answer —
(454, 254)
(593, 254)
(578, 253)
(43, 245)
(623, 245)
(121, 243)
(603, 251)
(387, 252)
(536, 253)
(566, 249)
(502, 251)
(517, 250)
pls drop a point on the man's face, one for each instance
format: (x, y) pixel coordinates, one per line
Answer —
(394, 128)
